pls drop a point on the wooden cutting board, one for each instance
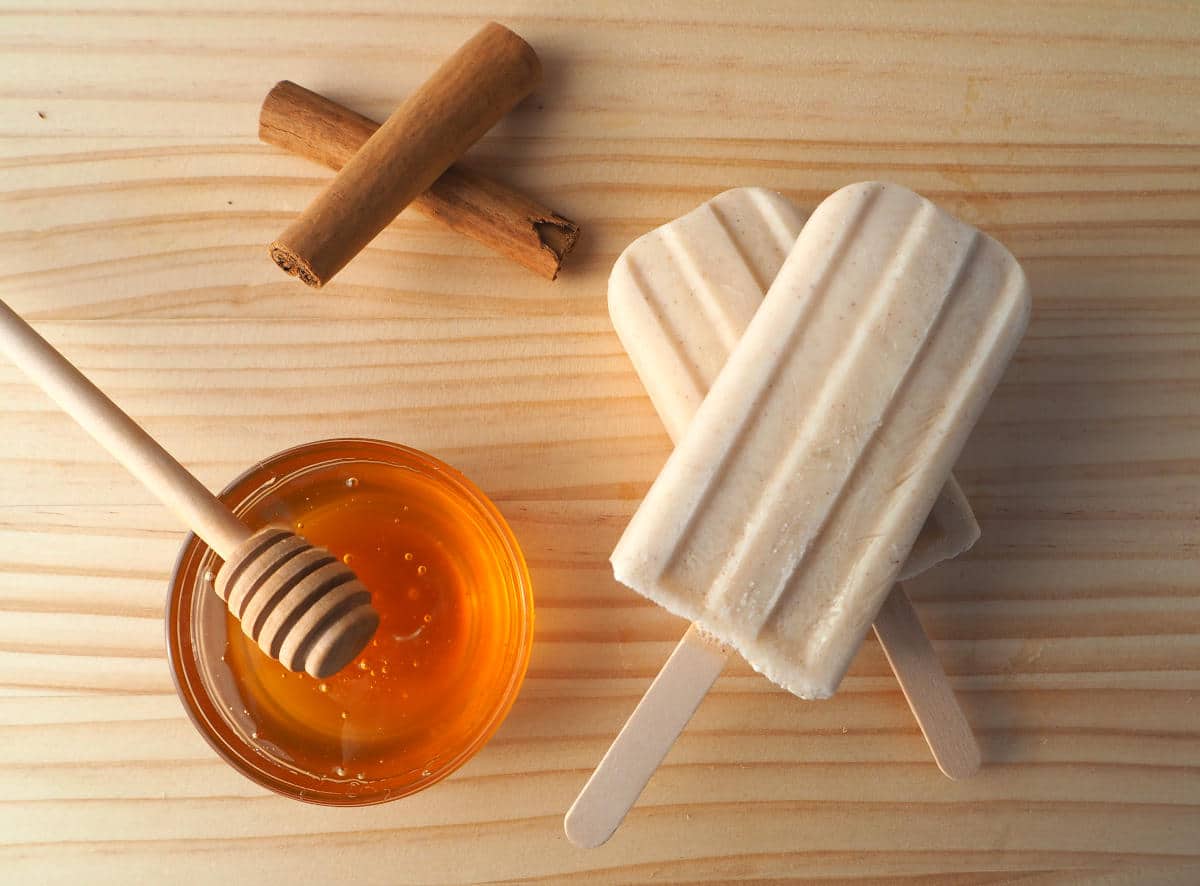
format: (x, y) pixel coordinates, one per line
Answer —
(137, 205)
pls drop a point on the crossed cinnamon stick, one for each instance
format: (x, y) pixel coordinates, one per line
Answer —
(345, 217)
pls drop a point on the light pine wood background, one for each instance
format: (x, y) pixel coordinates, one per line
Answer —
(136, 205)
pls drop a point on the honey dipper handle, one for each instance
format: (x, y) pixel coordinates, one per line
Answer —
(125, 440)
(925, 686)
(645, 738)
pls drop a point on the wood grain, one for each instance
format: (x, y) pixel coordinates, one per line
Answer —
(136, 205)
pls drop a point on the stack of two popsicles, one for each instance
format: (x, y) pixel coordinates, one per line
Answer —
(815, 430)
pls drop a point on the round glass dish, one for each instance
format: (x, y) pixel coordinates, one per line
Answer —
(456, 626)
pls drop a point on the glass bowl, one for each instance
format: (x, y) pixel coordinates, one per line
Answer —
(456, 626)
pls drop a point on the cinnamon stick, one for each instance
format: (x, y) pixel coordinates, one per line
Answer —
(501, 218)
(431, 129)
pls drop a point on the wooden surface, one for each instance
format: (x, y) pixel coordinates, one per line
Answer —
(137, 207)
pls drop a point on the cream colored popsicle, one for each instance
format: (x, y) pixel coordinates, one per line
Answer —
(788, 508)
(680, 297)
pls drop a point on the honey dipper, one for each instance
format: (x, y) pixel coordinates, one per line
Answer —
(298, 602)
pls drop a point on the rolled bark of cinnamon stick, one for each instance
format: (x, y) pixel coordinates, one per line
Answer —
(431, 129)
(501, 218)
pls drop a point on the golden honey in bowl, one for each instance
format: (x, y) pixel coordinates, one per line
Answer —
(455, 612)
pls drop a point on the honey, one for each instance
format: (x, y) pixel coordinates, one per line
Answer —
(443, 666)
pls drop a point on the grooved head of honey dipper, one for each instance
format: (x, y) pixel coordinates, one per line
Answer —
(298, 602)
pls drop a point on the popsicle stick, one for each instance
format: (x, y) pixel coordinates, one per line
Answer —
(645, 738)
(694, 666)
(926, 687)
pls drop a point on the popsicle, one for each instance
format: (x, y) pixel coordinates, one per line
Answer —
(721, 256)
(681, 296)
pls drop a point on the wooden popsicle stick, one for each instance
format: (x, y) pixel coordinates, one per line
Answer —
(926, 687)
(694, 666)
(298, 602)
(645, 738)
